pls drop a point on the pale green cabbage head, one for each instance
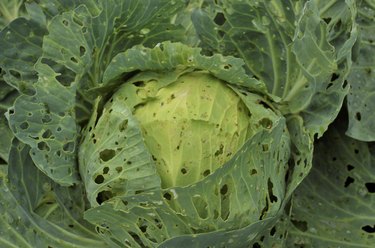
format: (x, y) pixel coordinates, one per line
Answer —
(191, 126)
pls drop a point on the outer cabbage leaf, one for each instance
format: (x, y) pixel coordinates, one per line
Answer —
(167, 56)
(334, 206)
(7, 97)
(36, 212)
(361, 98)
(72, 56)
(300, 163)
(288, 46)
(113, 158)
(243, 197)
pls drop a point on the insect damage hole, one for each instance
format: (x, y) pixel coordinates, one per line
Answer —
(103, 196)
(107, 154)
(273, 198)
(369, 229)
(200, 206)
(99, 179)
(220, 19)
(224, 202)
(348, 181)
(370, 187)
(82, 51)
(123, 125)
(358, 116)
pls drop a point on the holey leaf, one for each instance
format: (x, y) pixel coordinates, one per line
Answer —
(302, 58)
(334, 206)
(361, 97)
(45, 120)
(36, 212)
(59, 53)
(113, 157)
(227, 209)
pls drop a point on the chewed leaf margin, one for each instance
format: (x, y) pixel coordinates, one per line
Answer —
(168, 56)
(45, 120)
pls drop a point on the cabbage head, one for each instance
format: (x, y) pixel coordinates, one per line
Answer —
(187, 148)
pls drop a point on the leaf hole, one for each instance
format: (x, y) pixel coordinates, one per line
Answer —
(224, 202)
(370, 187)
(273, 198)
(369, 229)
(266, 123)
(220, 151)
(265, 147)
(123, 125)
(24, 125)
(334, 77)
(349, 167)
(220, 19)
(273, 231)
(43, 146)
(46, 119)
(74, 60)
(358, 116)
(15, 74)
(200, 206)
(206, 173)
(99, 179)
(348, 181)
(47, 134)
(221, 33)
(103, 196)
(139, 84)
(69, 147)
(107, 154)
(227, 66)
(167, 196)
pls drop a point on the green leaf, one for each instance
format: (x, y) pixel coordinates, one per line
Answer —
(36, 212)
(302, 152)
(113, 158)
(72, 53)
(6, 139)
(289, 47)
(168, 56)
(45, 121)
(361, 98)
(236, 202)
(334, 206)
(21, 43)
(7, 97)
(340, 32)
